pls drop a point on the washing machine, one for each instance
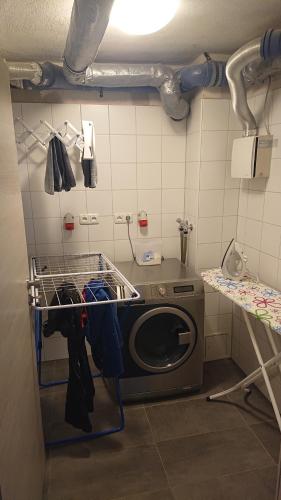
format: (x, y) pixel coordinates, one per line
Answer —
(162, 332)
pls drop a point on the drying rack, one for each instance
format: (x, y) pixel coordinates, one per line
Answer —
(47, 275)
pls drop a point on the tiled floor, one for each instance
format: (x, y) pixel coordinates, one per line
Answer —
(180, 449)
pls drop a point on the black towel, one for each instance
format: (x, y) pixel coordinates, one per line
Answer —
(80, 389)
(89, 168)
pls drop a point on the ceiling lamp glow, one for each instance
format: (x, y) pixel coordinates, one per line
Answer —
(140, 17)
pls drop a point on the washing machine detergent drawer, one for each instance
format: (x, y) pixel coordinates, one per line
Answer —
(158, 338)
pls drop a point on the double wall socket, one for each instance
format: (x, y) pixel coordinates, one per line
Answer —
(120, 218)
(89, 219)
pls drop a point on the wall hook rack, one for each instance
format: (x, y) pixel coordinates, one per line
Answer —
(66, 133)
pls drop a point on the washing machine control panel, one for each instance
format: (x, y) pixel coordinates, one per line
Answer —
(172, 290)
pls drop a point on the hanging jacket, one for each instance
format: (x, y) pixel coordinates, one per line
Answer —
(103, 330)
(80, 389)
(58, 175)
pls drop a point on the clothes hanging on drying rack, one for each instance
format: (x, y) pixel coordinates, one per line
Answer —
(80, 389)
(100, 326)
(102, 330)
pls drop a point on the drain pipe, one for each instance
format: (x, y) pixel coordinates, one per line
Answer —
(254, 61)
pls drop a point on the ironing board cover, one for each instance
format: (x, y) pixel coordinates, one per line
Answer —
(256, 298)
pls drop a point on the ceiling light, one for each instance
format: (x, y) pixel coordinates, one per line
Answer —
(140, 17)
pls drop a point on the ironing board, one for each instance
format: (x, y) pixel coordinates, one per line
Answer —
(264, 303)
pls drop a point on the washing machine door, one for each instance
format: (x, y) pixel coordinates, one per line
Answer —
(162, 339)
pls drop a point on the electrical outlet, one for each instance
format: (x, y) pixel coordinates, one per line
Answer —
(83, 219)
(93, 219)
(120, 218)
(89, 219)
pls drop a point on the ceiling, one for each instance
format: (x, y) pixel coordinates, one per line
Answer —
(37, 29)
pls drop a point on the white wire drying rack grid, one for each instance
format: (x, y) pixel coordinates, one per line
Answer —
(49, 274)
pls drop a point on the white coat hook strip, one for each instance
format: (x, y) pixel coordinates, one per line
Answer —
(89, 139)
(67, 134)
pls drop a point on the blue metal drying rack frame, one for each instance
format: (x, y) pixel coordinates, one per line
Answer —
(46, 385)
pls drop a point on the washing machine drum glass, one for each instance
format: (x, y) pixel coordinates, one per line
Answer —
(162, 339)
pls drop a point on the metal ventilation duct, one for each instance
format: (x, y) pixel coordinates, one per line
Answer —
(142, 75)
(31, 71)
(234, 67)
(89, 20)
(170, 84)
(253, 62)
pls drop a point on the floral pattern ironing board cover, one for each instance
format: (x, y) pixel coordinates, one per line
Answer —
(256, 298)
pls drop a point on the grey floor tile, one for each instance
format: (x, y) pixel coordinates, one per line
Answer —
(197, 458)
(254, 407)
(98, 471)
(251, 485)
(159, 495)
(213, 381)
(269, 435)
(224, 371)
(192, 417)
(106, 415)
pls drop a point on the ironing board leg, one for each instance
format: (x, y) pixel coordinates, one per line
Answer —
(275, 360)
(263, 368)
(272, 343)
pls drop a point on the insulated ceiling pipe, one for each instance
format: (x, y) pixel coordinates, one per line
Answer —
(31, 71)
(89, 20)
(234, 67)
(121, 76)
(142, 75)
(209, 74)
(255, 61)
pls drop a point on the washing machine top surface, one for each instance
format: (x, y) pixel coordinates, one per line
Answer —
(169, 271)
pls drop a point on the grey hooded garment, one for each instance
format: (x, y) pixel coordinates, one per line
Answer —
(59, 175)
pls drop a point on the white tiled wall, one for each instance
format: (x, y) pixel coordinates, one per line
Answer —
(141, 166)
(147, 161)
(259, 222)
(211, 204)
(259, 231)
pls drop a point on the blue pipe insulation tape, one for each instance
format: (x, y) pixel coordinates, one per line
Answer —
(271, 44)
(208, 74)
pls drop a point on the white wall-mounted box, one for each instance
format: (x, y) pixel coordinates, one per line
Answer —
(251, 156)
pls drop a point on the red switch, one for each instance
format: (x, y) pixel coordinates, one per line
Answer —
(142, 219)
(68, 222)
